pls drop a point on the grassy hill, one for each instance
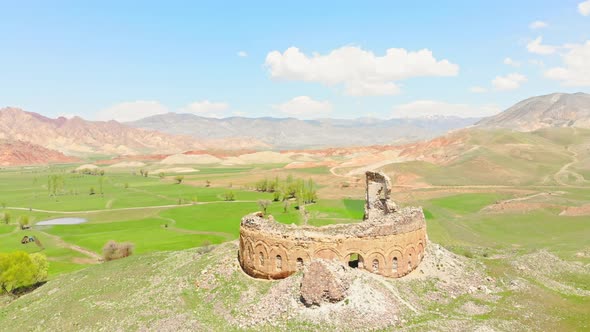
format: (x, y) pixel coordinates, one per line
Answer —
(502, 157)
(205, 289)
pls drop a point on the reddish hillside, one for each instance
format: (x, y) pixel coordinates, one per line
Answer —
(19, 153)
(77, 136)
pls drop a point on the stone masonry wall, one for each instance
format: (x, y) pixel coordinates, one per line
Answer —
(389, 242)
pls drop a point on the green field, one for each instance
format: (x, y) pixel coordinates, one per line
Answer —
(152, 213)
(464, 212)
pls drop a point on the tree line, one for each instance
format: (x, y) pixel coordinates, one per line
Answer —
(305, 192)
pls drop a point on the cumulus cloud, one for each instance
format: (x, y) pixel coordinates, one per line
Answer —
(508, 82)
(304, 107)
(576, 66)
(361, 72)
(584, 8)
(537, 47)
(206, 108)
(510, 62)
(242, 54)
(429, 108)
(538, 25)
(130, 111)
(478, 89)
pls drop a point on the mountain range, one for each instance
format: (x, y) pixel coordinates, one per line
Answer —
(27, 137)
(290, 133)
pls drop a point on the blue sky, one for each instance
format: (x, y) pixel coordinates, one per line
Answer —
(129, 59)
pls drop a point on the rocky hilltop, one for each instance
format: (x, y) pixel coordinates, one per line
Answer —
(553, 110)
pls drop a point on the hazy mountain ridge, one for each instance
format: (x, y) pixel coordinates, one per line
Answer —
(552, 110)
(290, 133)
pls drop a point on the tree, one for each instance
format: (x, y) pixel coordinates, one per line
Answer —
(179, 179)
(207, 183)
(92, 192)
(229, 196)
(19, 269)
(23, 221)
(161, 175)
(55, 184)
(100, 184)
(5, 216)
(263, 203)
(276, 196)
(262, 185)
(40, 264)
(285, 206)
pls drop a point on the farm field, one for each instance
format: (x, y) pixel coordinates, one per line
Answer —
(502, 225)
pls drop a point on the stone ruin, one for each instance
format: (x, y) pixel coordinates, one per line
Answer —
(390, 241)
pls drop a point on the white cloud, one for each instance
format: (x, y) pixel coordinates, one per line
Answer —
(537, 62)
(576, 66)
(304, 107)
(510, 62)
(508, 82)
(584, 8)
(372, 89)
(242, 54)
(361, 72)
(538, 25)
(206, 108)
(426, 108)
(537, 47)
(130, 111)
(478, 89)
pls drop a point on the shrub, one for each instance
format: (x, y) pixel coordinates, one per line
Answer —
(467, 253)
(179, 179)
(113, 250)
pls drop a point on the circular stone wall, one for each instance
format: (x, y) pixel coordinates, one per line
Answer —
(271, 250)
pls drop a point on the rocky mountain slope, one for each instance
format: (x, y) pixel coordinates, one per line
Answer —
(16, 153)
(289, 133)
(77, 136)
(553, 110)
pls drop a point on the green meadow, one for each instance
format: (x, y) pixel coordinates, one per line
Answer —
(153, 213)
(157, 215)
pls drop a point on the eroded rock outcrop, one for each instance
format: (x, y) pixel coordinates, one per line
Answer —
(324, 282)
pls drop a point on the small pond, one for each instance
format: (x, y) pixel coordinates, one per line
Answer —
(61, 221)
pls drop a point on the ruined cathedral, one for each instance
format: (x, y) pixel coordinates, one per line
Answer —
(389, 241)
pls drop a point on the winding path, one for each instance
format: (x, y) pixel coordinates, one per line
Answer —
(565, 171)
(96, 258)
(123, 209)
